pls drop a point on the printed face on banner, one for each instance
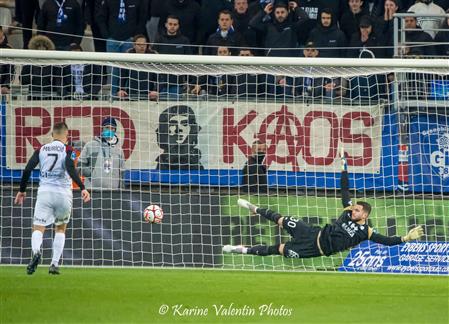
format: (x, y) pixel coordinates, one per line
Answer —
(179, 128)
(177, 136)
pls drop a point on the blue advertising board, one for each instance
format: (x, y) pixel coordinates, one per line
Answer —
(410, 257)
(429, 153)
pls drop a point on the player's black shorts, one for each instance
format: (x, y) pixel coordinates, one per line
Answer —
(304, 237)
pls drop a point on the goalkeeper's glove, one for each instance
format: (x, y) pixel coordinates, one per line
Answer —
(344, 163)
(413, 234)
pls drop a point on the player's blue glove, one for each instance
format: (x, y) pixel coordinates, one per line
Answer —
(344, 163)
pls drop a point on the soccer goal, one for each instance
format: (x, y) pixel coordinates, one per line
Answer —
(193, 134)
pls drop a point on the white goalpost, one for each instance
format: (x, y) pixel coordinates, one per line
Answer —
(187, 128)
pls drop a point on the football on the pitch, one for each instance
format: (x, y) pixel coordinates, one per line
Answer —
(153, 214)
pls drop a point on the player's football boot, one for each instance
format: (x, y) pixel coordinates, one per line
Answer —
(233, 249)
(53, 270)
(31, 268)
(246, 204)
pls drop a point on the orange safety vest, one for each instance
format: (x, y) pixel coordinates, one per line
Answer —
(74, 185)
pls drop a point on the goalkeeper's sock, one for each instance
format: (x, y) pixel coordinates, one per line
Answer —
(264, 250)
(36, 242)
(269, 214)
(58, 247)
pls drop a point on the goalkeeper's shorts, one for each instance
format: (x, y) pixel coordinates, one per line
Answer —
(304, 239)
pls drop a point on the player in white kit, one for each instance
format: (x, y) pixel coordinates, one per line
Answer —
(54, 196)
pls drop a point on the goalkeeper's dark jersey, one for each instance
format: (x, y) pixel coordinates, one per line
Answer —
(344, 233)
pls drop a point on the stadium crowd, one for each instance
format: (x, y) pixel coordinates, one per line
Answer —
(309, 28)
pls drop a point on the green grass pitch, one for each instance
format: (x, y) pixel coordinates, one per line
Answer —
(92, 295)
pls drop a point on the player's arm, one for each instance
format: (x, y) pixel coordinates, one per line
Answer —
(71, 170)
(32, 163)
(344, 182)
(414, 234)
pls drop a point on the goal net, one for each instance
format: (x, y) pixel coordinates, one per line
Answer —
(195, 133)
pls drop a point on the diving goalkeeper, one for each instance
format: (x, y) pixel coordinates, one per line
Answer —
(308, 241)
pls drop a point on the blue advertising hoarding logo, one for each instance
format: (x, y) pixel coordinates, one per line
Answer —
(410, 257)
(429, 151)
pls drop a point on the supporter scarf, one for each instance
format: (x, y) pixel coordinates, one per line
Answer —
(77, 72)
(225, 34)
(122, 12)
(60, 17)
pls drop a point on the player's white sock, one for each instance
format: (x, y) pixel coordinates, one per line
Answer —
(58, 247)
(235, 249)
(36, 242)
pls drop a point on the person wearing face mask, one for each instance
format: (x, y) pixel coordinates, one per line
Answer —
(101, 161)
(254, 172)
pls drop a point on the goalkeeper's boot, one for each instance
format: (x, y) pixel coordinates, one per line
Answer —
(240, 249)
(53, 270)
(31, 268)
(246, 204)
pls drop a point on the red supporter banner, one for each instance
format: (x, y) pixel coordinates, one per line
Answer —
(299, 137)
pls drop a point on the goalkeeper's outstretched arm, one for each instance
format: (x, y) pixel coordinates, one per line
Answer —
(413, 234)
(344, 182)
